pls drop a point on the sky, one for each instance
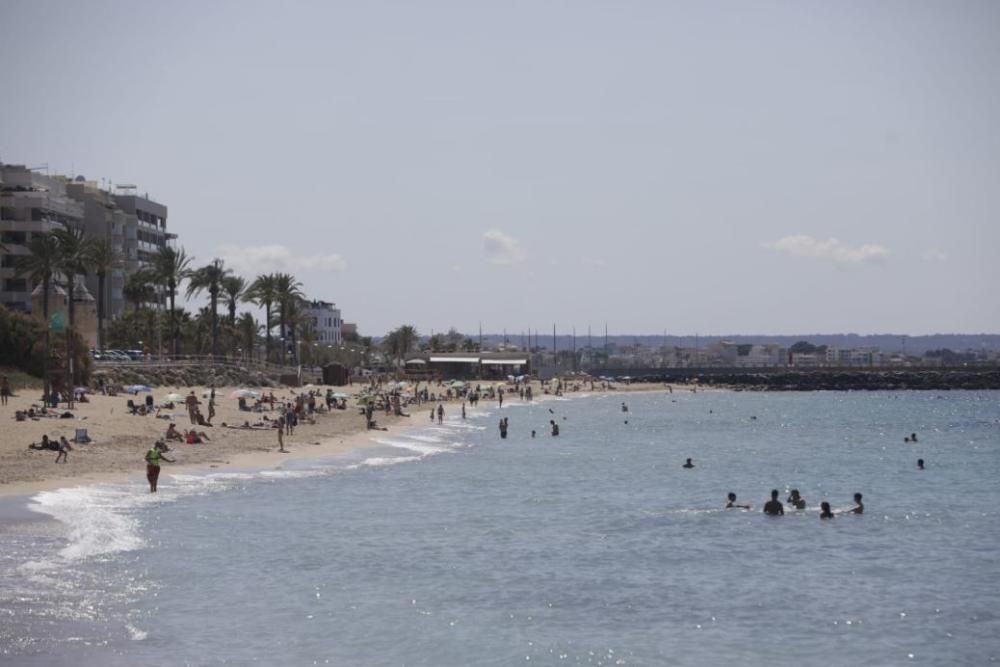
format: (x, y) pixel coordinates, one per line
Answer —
(714, 167)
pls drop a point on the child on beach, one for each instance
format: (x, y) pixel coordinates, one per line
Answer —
(64, 449)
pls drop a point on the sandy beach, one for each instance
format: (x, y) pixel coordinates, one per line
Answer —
(119, 440)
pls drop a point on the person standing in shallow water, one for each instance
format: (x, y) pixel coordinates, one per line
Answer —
(773, 506)
(859, 507)
(920, 464)
(503, 428)
(440, 413)
(825, 512)
(153, 458)
(796, 501)
(732, 502)
(688, 464)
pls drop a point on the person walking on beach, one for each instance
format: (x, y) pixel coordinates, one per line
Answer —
(211, 405)
(153, 458)
(773, 507)
(281, 434)
(440, 413)
(64, 449)
(4, 390)
(192, 405)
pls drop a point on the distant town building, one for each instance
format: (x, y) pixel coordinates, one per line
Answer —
(349, 330)
(326, 321)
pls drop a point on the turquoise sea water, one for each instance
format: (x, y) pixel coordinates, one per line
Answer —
(446, 545)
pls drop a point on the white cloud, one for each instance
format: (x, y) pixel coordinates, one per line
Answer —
(502, 249)
(253, 260)
(833, 249)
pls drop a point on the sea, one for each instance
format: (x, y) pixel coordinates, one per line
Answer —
(443, 544)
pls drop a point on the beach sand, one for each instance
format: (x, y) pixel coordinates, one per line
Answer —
(120, 440)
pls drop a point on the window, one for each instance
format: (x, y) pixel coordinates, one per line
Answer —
(16, 285)
(7, 262)
(16, 238)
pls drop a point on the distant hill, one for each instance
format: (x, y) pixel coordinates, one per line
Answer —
(891, 343)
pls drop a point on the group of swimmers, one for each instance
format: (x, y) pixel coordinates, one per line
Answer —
(774, 507)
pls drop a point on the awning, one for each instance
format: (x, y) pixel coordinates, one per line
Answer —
(416, 361)
(505, 362)
(454, 360)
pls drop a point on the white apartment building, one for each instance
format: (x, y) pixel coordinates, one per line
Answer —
(326, 321)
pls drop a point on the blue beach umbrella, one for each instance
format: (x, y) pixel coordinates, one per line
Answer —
(136, 388)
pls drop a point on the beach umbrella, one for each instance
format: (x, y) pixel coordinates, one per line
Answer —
(244, 393)
(458, 384)
(173, 398)
(136, 388)
(339, 395)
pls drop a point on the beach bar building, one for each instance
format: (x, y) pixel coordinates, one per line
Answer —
(469, 365)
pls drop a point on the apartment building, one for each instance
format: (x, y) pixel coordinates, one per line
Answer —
(31, 203)
(134, 226)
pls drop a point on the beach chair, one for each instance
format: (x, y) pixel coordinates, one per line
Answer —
(81, 436)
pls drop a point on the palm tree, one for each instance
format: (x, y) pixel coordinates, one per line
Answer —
(248, 331)
(209, 278)
(233, 287)
(407, 338)
(139, 288)
(171, 267)
(103, 259)
(288, 289)
(40, 265)
(297, 321)
(262, 292)
(74, 260)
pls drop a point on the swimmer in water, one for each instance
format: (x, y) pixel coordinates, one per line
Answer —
(624, 407)
(859, 508)
(796, 501)
(825, 512)
(732, 502)
(774, 506)
(688, 464)
(913, 437)
(920, 464)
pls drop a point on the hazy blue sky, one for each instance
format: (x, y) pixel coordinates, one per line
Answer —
(713, 167)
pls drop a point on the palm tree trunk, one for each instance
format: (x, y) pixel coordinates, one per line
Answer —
(173, 320)
(281, 331)
(70, 287)
(267, 327)
(215, 326)
(100, 310)
(47, 387)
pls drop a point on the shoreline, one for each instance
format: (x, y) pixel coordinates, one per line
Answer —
(117, 456)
